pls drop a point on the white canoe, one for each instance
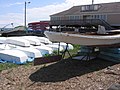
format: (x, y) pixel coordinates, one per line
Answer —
(2, 40)
(70, 46)
(13, 56)
(43, 49)
(6, 46)
(55, 47)
(30, 52)
(83, 39)
(18, 41)
(44, 40)
(41, 39)
(32, 40)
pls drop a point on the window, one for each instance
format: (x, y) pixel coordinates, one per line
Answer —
(77, 17)
(96, 7)
(90, 7)
(97, 16)
(104, 17)
(55, 18)
(73, 17)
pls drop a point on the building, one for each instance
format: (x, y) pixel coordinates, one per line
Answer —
(106, 14)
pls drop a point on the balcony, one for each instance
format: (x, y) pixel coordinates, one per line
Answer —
(81, 22)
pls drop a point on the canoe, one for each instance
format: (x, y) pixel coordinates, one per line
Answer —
(13, 56)
(108, 57)
(83, 39)
(70, 46)
(2, 40)
(6, 46)
(44, 40)
(32, 40)
(55, 47)
(111, 50)
(17, 41)
(41, 39)
(30, 52)
(43, 49)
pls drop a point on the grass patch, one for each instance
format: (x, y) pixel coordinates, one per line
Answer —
(4, 66)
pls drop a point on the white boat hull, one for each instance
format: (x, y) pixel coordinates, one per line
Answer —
(55, 47)
(13, 56)
(83, 39)
(30, 52)
(17, 41)
(43, 49)
(32, 40)
(70, 46)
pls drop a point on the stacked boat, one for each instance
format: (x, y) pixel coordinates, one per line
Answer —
(20, 50)
(112, 54)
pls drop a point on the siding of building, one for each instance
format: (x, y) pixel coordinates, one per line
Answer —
(109, 12)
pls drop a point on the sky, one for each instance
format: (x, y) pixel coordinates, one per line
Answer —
(12, 11)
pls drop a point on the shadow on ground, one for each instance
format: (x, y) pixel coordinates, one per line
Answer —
(65, 69)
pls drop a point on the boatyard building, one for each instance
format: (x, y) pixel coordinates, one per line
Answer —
(105, 14)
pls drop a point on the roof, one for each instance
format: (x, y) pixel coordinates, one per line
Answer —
(105, 8)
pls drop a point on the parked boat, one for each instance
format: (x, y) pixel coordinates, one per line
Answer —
(13, 56)
(85, 39)
(55, 47)
(4, 30)
(6, 46)
(30, 52)
(17, 41)
(70, 46)
(43, 40)
(30, 46)
(2, 40)
(33, 41)
(43, 49)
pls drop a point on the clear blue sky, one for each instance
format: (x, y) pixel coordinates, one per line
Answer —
(12, 11)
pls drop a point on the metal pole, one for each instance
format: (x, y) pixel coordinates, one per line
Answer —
(25, 16)
(92, 5)
(92, 2)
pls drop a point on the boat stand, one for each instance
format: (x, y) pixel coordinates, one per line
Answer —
(87, 51)
(64, 52)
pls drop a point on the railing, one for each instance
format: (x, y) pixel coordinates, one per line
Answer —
(107, 25)
(81, 22)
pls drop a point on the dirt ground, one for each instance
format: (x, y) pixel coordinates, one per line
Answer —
(66, 74)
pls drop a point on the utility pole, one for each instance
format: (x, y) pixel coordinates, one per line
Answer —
(92, 2)
(25, 17)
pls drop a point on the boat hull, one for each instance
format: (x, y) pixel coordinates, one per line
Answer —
(83, 39)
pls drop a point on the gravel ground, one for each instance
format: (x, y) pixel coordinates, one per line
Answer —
(63, 75)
